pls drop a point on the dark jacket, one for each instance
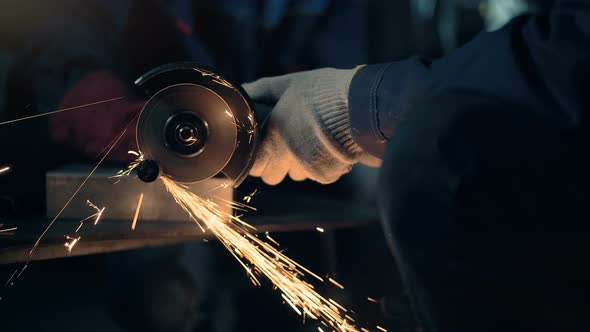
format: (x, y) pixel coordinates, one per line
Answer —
(540, 61)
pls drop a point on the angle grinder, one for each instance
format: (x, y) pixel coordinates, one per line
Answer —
(195, 125)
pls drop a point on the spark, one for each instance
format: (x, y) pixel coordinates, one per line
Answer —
(291, 304)
(137, 209)
(216, 78)
(252, 130)
(271, 239)
(114, 143)
(82, 222)
(133, 165)
(6, 230)
(92, 205)
(364, 329)
(61, 110)
(312, 316)
(235, 121)
(248, 197)
(71, 242)
(9, 281)
(261, 259)
(13, 279)
(236, 205)
(336, 304)
(370, 299)
(22, 270)
(199, 224)
(239, 123)
(381, 329)
(4, 169)
(320, 329)
(221, 186)
(98, 213)
(336, 283)
(319, 229)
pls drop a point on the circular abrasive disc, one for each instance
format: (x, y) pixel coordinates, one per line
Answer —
(206, 112)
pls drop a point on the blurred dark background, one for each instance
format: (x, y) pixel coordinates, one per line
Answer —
(48, 47)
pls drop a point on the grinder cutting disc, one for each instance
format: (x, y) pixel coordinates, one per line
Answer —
(195, 124)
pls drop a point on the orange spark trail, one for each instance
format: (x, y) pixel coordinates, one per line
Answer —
(76, 192)
(60, 110)
(96, 216)
(98, 210)
(248, 197)
(6, 230)
(271, 239)
(137, 209)
(336, 283)
(71, 242)
(9, 281)
(260, 258)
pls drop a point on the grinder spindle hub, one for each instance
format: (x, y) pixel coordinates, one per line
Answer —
(195, 124)
(185, 133)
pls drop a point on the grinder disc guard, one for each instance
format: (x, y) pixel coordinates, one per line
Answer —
(196, 124)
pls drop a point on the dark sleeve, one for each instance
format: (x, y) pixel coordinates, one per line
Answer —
(540, 61)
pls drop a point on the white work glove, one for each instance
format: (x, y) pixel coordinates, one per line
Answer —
(308, 134)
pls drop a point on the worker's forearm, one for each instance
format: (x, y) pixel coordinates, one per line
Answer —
(378, 95)
(514, 63)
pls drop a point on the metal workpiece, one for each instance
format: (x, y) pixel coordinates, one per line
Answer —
(119, 195)
(160, 221)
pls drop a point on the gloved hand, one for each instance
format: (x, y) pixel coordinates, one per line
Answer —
(308, 134)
